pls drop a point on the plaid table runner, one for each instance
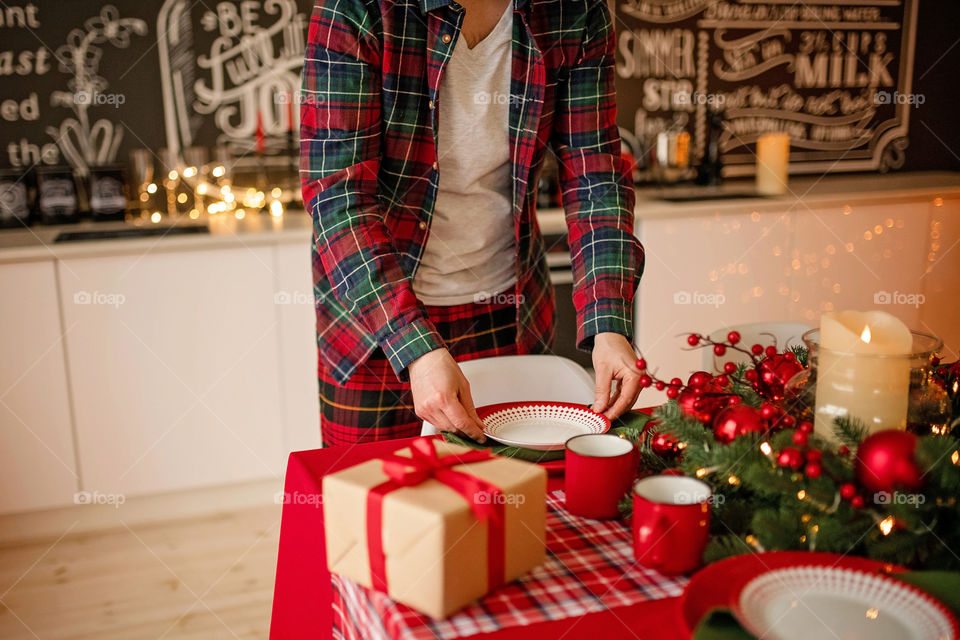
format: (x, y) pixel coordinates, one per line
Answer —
(589, 568)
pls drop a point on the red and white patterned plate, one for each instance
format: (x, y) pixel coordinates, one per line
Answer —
(544, 426)
(812, 603)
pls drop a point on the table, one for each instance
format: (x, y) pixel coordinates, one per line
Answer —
(303, 595)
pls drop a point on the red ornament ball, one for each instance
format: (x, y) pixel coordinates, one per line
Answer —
(775, 371)
(790, 457)
(663, 445)
(699, 379)
(733, 337)
(885, 462)
(735, 421)
(703, 402)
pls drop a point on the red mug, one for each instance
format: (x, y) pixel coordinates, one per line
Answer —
(671, 522)
(600, 468)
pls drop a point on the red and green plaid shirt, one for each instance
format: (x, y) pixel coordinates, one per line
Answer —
(368, 166)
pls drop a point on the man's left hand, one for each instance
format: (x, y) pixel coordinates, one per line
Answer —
(615, 359)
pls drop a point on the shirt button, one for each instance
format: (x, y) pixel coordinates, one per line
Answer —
(431, 105)
(423, 226)
(446, 38)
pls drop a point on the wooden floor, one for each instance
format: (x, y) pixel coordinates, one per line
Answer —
(205, 578)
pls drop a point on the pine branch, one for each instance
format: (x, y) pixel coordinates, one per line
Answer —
(850, 431)
(802, 353)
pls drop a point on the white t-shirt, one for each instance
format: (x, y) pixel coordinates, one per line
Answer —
(470, 251)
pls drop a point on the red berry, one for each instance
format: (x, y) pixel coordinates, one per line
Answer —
(729, 367)
(770, 351)
(661, 385)
(856, 502)
(790, 355)
(672, 392)
(676, 382)
(645, 381)
(733, 337)
(756, 349)
(847, 491)
(768, 411)
(813, 470)
(722, 381)
(790, 457)
(800, 438)
(732, 400)
(750, 375)
(719, 350)
(642, 364)
(814, 455)
(789, 421)
(806, 427)
(693, 339)
(843, 450)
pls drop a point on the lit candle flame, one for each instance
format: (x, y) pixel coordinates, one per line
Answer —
(865, 336)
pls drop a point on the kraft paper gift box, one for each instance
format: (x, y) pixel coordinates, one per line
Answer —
(434, 547)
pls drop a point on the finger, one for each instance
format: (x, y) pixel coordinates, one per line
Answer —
(601, 394)
(467, 403)
(462, 422)
(629, 390)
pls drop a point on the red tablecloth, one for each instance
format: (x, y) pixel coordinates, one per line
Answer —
(303, 595)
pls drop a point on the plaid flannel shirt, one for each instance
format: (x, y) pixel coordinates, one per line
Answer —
(368, 168)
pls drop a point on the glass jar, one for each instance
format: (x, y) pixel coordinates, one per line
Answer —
(927, 406)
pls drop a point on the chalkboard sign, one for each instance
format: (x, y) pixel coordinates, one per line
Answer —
(836, 76)
(84, 83)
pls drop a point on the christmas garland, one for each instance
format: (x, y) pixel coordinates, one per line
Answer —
(890, 496)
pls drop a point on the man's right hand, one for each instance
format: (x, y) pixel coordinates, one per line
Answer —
(441, 395)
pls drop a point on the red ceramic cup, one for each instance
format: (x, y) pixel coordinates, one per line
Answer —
(671, 521)
(600, 468)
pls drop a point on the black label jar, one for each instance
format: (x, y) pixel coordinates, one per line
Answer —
(56, 196)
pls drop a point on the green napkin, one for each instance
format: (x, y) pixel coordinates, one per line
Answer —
(630, 421)
(719, 624)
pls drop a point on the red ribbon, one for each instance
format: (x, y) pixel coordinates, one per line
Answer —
(424, 463)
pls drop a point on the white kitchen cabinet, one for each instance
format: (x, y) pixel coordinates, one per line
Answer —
(704, 273)
(940, 281)
(37, 460)
(173, 367)
(297, 322)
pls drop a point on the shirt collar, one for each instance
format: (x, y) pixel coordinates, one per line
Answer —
(430, 5)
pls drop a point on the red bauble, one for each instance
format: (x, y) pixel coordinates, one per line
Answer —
(885, 462)
(699, 379)
(735, 421)
(775, 371)
(703, 402)
(663, 445)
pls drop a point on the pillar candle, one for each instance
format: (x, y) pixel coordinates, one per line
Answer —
(773, 158)
(863, 370)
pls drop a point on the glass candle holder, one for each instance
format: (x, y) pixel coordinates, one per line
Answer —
(882, 391)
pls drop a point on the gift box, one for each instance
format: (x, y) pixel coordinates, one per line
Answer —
(435, 525)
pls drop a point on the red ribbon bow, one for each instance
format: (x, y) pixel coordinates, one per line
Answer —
(423, 464)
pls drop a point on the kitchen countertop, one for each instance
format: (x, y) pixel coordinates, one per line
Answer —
(37, 243)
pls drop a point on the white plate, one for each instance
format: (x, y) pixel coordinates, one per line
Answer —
(544, 426)
(820, 603)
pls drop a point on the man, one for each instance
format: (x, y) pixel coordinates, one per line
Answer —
(424, 128)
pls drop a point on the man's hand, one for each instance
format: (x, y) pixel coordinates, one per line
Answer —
(441, 395)
(615, 359)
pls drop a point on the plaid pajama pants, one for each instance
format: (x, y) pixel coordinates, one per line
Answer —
(375, 405)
